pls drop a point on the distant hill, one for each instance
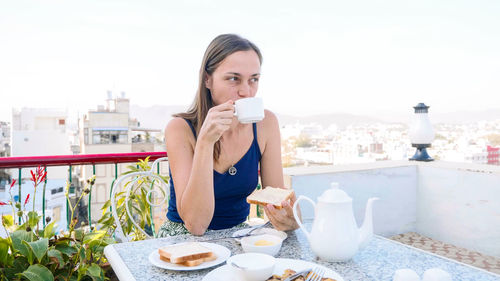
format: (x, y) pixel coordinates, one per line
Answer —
(456, 117)
(156, 117)
(325, 120)
(461, 117)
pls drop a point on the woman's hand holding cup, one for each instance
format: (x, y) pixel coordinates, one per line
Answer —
(218, 121)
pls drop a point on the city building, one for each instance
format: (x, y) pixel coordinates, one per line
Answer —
(4, 139)
(111, 129)
(4, 151)
(39, 132)
(493, 155)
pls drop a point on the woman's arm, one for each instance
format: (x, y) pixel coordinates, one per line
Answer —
(271, 172)
(191, 164)
(195, 202)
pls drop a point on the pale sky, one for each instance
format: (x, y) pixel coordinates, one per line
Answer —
(319, 56)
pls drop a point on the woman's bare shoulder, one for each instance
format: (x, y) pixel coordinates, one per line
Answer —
(268, 127)
(270, 120)
(176, 124)
(179, 129)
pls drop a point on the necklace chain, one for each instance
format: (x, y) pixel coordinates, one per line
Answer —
(232, 170)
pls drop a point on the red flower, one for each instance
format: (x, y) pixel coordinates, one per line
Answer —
(12, 184)
(3, 203)
(33, 177)
(39, 175)
(27, 199)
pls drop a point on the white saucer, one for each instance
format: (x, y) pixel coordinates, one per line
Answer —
(221, 252)
(224, 273)
(264, 230)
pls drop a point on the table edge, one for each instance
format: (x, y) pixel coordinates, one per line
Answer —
(116, 262)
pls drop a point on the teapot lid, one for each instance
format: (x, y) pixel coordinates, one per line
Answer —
(334, 195)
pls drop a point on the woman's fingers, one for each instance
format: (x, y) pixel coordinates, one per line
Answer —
(288, 207)
(282, 219)
(227, 106)
(223, 116)
(217, 121)
(270, 212)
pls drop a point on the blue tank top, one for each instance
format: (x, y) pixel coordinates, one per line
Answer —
(231, 207)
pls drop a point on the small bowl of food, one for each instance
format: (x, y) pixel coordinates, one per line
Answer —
(265, 243)
(252, 266)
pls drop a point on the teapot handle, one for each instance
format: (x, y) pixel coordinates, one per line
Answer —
(308, 235)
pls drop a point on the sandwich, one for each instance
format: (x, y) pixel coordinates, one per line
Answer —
(187, 254)
(270, 195)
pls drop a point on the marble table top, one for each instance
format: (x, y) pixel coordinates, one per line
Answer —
(377, 261)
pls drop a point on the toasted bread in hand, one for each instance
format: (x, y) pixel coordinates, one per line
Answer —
(270, 195)
(179, 253)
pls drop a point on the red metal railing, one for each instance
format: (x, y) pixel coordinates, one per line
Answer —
(73, 160)
(80, 159)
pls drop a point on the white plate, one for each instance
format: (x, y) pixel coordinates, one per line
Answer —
(224, 273)
(221, 252)
(265, 230)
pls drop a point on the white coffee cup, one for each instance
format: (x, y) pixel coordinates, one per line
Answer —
(249, 110)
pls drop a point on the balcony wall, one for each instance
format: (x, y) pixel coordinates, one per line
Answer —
(456, 203)
(460, 204)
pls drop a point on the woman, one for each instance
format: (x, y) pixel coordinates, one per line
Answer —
(205, 142)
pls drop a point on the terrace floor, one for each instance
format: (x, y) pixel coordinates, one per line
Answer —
(476, 259)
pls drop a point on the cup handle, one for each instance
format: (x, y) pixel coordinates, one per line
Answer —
(308, 235)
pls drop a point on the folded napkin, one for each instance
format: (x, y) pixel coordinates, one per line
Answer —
(436, 274)
(405, 274)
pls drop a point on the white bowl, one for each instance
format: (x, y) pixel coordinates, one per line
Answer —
(254, 266)
(248, 244)
(264, 230)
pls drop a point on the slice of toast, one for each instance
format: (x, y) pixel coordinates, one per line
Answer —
(193, 262)
(270, 195)
(179, 253)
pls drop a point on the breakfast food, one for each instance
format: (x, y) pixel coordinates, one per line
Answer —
(187, 254)
(192, 262)
(270, 195)
(290, 272)
(263, 242)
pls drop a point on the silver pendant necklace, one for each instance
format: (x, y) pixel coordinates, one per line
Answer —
(232, 170)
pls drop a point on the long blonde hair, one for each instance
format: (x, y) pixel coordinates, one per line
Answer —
(220, 48)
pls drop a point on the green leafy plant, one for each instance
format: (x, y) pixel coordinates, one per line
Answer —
(31, 253)
(138, 204)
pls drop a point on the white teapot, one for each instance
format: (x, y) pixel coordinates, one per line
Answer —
(335, 235)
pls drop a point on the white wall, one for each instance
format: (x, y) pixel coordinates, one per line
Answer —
(41, 143)
(108, 119)
(37, 132)
(394, 213)
(460, 207)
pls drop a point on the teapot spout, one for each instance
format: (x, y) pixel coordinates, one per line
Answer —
(366, 230)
